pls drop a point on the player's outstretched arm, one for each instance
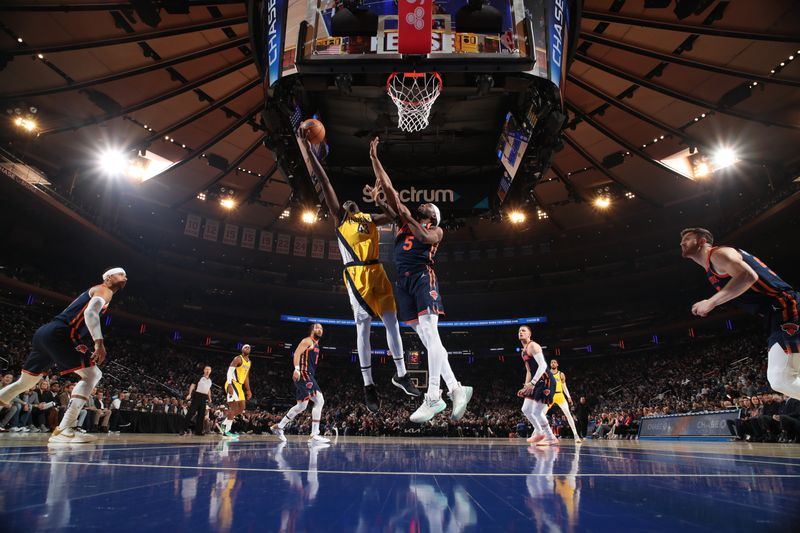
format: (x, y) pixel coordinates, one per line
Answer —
(331, 200)
(382, 177)
(727, 261)
(387, 214)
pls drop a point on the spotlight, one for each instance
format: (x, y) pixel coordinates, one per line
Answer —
(285, 214)
(40, 56)
(201, 196)
(309, 217)
(602, 202)
(516, 217)
(25, 123)
(724, 157)
(113, 162)
(227, 203)
(629, 195)
(541, 215)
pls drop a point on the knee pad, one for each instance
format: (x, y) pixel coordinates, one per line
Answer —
(90, 375)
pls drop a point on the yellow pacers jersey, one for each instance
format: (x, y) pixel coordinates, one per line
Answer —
(559, 394)
(369, 288)
(241, 376)
(243, 369)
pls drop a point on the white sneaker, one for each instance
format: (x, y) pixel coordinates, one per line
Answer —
(278, 432)
(427, 410)
(70, 436)
(461, 396)
(318, 438)
(579, 441)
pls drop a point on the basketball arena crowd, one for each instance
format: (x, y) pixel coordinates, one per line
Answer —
(147, 377)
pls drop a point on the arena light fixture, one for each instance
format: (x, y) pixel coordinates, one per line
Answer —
(602, 202)
(26, 124)
(516, 217)
(309, 217)
(113, 161)
(227, 203)
(724, 157)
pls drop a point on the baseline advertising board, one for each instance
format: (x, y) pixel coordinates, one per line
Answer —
(713, 424)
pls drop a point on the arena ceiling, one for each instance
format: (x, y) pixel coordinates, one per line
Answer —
(646, 83)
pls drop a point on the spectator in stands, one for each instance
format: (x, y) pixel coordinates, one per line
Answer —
(8, 413)
(582, 417)
(45, 415)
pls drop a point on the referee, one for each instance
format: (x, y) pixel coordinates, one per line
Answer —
(198, 394)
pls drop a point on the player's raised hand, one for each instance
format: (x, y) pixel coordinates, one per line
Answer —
(373, 147)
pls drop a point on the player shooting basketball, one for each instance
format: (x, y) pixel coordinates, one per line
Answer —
(368, 287)
(419, 302)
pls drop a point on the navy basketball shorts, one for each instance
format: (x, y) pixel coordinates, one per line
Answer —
(417, 294)
(785, 331)
(52, 347)
(306, 387)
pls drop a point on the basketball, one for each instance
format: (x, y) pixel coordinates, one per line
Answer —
(313, 130)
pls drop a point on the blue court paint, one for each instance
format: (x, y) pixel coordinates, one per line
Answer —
(383, 485)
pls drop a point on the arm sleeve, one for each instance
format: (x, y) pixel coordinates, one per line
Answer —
(231, 374)
(92, 317)
(541, 366)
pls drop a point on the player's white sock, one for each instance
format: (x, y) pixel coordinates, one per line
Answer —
(782, 371)
(90, 377)
(226, 425)
(539, 410)
(437, 354)
(395, 342)
(25, 382)
(316, 412)
(292, 414)
(363, 328)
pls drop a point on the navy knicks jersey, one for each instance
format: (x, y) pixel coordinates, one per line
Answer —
(309, 359)
(72, 316)
(411, 255)
(769, 292)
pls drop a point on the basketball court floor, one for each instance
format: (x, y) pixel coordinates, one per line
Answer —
(385, 484)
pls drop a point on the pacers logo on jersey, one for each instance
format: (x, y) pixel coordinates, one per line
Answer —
(790, 328)
(363, 228)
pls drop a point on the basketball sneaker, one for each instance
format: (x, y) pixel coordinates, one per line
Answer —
(548, 442)
(371, 399)
(229, 435)
(70, 436)
(461, 396)
(405, 384)
(428, 409)
(278, 432)
(536, 437)
(578, 440)
(318, 438)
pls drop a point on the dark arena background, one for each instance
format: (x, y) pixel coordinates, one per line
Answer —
(166, 207)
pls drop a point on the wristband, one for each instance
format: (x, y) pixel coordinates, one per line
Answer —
(297, 368)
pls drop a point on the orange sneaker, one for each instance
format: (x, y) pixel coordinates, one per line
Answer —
(549, 442)
(535, 438)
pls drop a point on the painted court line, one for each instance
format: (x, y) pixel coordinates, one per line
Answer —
(373, 473)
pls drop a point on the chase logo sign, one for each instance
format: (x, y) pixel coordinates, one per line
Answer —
(275, 25)
(557, 31)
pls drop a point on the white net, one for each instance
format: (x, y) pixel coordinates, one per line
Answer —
(414, 94)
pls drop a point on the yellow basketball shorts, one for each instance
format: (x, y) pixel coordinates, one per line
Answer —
(370, 291)
(238, 392)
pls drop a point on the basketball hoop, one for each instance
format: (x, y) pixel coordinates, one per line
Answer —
(414, 94)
